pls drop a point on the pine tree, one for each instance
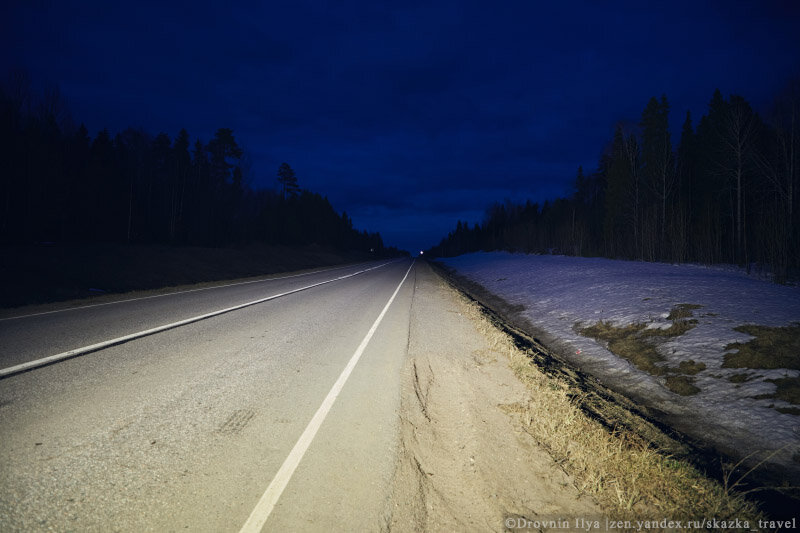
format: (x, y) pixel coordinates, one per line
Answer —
(203, 196)
(708, 190)
(658, 164)
(580, 203)
(622, 197)
(685, 170)
(182, 161)
(223, 153)
(160, 188)
(288, 181)
(740, 129)
(686, 158)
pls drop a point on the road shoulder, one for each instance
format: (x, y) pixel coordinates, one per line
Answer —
(465, 462)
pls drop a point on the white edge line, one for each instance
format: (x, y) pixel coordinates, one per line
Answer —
(79, 307)
(270, 497)
(119, 340)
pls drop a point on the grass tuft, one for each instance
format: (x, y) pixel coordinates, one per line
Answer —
(787, 389)
(682, 385)
(690, 368)
(771, 347)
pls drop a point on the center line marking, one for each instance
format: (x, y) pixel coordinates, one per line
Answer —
(270, 497)
(119, 340)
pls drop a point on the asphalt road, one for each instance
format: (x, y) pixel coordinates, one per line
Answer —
(186, 428)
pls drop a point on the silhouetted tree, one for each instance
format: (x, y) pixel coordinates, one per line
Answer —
(182, 162)
(658, 173)
(741, 126)
(288, 181)
(623, 197)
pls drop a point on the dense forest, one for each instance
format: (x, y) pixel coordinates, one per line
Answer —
(726, 194)
(59, 185)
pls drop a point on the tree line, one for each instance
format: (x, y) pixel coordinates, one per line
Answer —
(61, 185)
(726, 194)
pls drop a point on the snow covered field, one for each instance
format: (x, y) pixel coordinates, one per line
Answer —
(560, 294)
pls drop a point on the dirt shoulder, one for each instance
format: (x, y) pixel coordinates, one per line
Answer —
(466, 462)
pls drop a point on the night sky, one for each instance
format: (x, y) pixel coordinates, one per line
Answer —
(411, 117)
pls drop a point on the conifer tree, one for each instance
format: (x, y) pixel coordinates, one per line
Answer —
(288, 181)
(708, 205)
(622, 196)
(685, 170)
(657, 165)
(182, 161)
(740, 129)
(223, 153)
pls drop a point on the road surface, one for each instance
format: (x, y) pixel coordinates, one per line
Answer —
(362, 398)
(186, 428)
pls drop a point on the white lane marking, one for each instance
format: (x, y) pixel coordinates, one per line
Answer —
(270, 497)
(119, 340)
(177, 292)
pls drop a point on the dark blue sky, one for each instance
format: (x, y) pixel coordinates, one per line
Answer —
(408, 117)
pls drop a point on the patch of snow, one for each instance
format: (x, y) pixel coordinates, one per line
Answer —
(560, 294)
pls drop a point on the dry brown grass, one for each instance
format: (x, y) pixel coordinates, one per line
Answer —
(690, 367)
(628, 342)
(682, 385)
(623, 472)
(740, 377)
(639, 344)
(770, 348)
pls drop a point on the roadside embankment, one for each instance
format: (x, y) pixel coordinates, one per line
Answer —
(610, 450)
